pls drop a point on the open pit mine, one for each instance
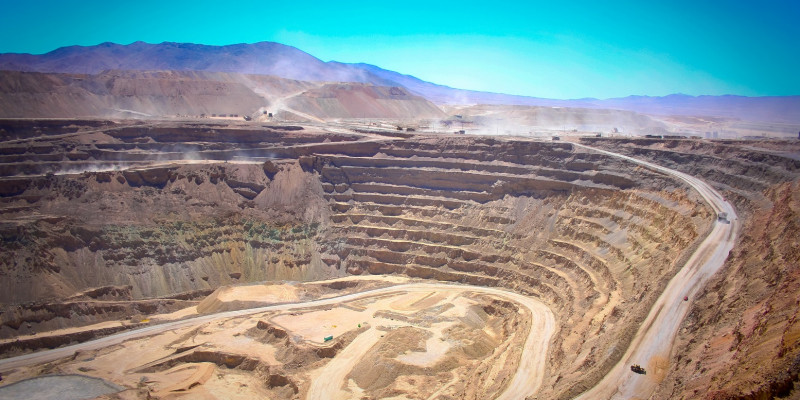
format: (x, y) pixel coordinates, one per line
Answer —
(241, 260)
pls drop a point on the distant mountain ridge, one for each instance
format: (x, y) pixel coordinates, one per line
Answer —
(154, 94)
(263, 58)
(269, 58)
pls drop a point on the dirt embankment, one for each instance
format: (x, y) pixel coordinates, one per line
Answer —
(741, 339)
(594, 238)
(160, 230)
(742, 170)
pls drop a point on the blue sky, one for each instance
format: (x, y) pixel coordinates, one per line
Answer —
(549, 49)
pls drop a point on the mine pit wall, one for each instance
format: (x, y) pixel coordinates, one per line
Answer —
(741, 339)
(115, 147)
(737, 168)
(161, 231)
(593, 237)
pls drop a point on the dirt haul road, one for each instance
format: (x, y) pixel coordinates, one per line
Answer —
(526, 381)
(652, 344)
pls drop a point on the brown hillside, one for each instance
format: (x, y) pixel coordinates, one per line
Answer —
(354, 100)
(28, 94)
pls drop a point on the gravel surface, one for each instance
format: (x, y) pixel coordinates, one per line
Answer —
(58, 387)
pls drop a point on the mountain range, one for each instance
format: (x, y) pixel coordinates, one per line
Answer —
(275, 59)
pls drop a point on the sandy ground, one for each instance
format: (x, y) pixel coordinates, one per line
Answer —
(248, 293)
(151, 353)
(58, 387)
(150, 360)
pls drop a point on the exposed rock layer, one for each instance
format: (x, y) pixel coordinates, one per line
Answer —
(742, 337)
(593, 237)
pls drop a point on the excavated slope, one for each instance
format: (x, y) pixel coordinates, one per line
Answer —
(570, 228)
(742, 336)
(593, 237)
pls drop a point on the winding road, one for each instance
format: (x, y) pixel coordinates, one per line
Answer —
(526, 381)
(652, 345)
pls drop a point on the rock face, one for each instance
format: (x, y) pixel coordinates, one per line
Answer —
(742, 337)
(162, 230)
(193, 207)
(589, 236)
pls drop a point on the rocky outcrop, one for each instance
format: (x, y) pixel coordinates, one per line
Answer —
(161, 230)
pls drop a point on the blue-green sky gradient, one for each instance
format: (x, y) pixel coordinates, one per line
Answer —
(546, 49)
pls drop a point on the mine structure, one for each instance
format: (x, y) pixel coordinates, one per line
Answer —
(112, 226)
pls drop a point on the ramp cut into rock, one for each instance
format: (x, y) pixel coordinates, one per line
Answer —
(653, 342)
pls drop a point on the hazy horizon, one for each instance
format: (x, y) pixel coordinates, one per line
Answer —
(580, 50)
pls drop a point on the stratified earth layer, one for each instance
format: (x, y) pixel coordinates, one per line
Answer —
(109, 224)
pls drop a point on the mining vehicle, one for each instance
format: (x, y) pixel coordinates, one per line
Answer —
(638, 369)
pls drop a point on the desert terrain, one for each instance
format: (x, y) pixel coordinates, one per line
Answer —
(212, 259)
(247, 221)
